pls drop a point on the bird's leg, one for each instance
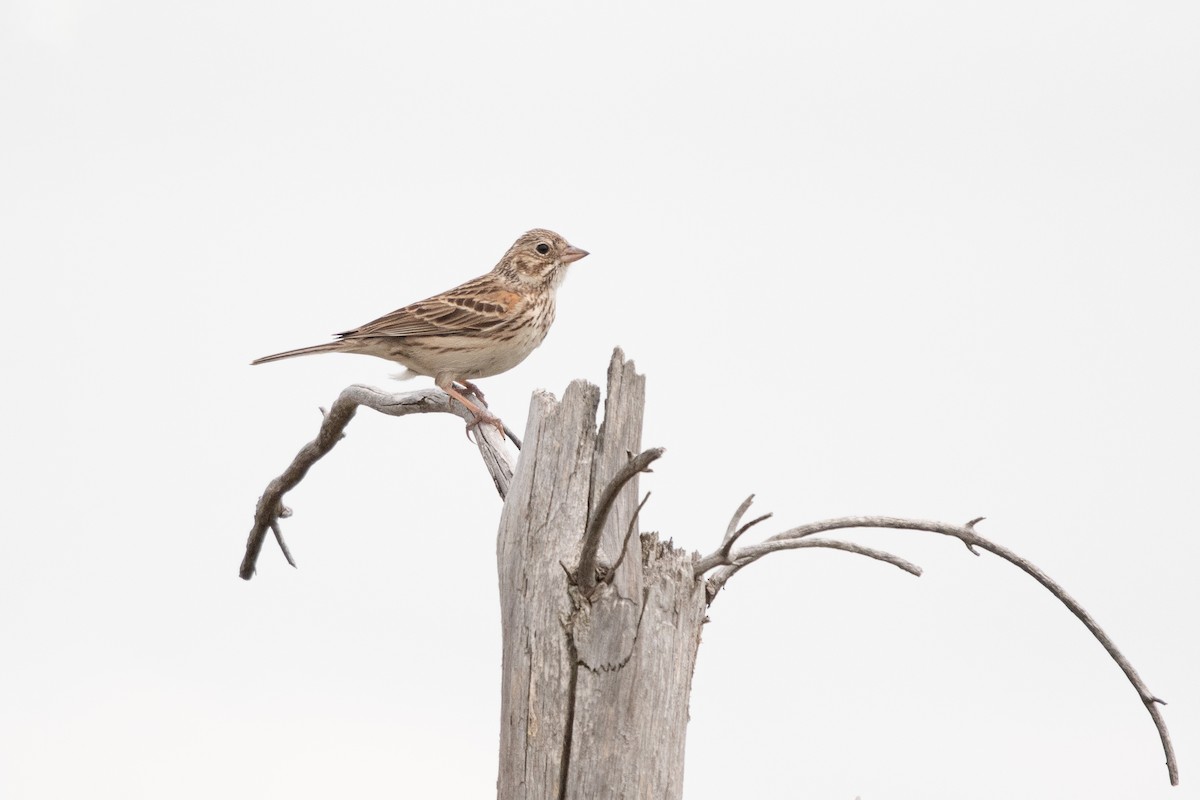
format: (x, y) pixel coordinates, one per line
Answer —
(473, 389)
(480, 414)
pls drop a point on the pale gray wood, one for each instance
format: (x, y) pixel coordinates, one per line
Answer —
(595, 689)
(620, 438)
(631, 713)
(543, 518)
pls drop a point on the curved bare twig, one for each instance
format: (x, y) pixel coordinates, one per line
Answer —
(748, 555)
(737, 518)
(270, 508)
(969, 537)
(586, 573)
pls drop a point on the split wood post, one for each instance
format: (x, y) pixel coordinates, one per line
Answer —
(595, 683)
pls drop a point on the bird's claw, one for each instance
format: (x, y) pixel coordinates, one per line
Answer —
(490, 419)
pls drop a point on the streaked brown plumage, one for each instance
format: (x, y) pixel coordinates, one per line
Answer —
(482, 328)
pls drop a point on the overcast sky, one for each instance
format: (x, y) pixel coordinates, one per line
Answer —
(930, 259)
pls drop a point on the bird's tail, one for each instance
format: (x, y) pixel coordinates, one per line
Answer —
(328, 347)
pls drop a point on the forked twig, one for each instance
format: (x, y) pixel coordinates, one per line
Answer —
(270, 508)
(732, 534)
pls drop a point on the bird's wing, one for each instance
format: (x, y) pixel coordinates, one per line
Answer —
(475, 307)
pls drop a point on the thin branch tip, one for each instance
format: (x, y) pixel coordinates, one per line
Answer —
(732, 531)
(275, 529)
(756, 520)
(740, 512)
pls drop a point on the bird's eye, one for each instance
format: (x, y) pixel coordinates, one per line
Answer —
(543, 248)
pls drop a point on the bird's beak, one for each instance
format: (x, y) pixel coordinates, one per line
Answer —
(573, 254)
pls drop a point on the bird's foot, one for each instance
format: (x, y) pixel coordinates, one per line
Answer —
(485, 418)
(481, 414)
(473, 389)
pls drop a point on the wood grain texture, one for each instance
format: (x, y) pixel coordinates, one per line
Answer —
(631, 716)
(596, 688)
(540, 528)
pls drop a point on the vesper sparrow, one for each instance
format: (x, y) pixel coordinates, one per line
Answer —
(482, 328)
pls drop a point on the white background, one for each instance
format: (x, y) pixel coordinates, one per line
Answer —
(933, 259)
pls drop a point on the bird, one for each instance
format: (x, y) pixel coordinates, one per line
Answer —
(481, 328)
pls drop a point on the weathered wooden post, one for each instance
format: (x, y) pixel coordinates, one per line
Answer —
(597, 673)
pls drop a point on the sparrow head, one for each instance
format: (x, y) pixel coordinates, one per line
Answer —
(539, 256)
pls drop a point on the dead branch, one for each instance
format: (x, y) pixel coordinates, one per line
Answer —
(270, 509)
(793, 538)
(732, 534)
(586, 573)
(748, 555)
